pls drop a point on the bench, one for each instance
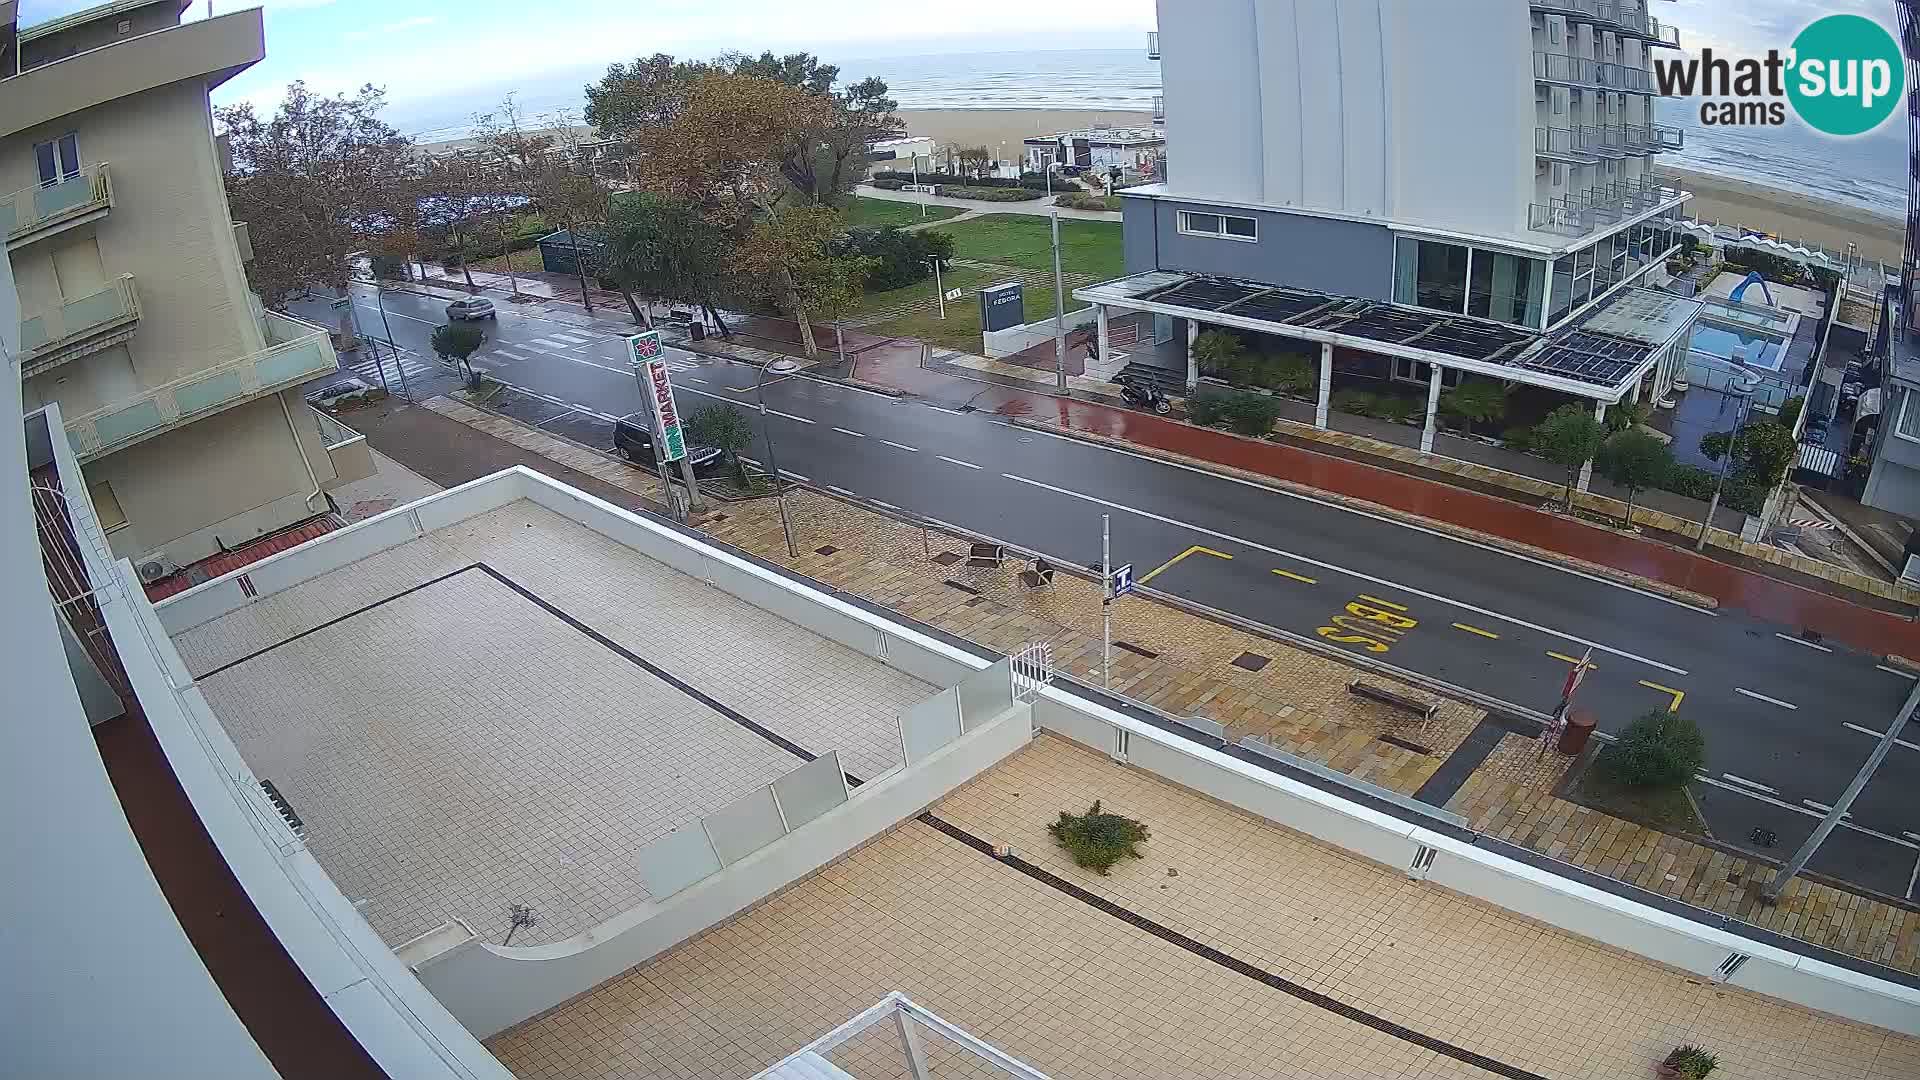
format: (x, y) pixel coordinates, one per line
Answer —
(986, 555)
(1040, 577)
(1388, 697)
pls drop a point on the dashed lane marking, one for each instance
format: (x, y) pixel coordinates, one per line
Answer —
(957, 461)
(1170, 563)
(1382, 603)
(1291, 576)
(842, 491)
(1897, 671)
(1754, 784)
(1802, 641)
(1765, 698)
(1760, 796)
(855, 434)
(790, 416)
(1864, 730)
(1565, 659)
(1476, 630)
(901, 446)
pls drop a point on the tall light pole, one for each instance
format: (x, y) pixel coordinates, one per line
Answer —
(380, 298)
(781, 366)
(1059, 313)
(918, 194)
(938, 290)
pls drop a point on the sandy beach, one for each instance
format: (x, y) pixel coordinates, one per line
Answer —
(992, 127)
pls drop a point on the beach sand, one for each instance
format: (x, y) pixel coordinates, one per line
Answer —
(1785, 214)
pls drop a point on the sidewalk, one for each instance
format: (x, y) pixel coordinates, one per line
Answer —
(1186, 665)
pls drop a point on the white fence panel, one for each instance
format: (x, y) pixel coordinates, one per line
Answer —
(930, 725)
(745, 825)
(811, 790)
(677, 860)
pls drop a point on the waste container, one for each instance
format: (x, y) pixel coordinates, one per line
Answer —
(698, 331)
(1573, 737)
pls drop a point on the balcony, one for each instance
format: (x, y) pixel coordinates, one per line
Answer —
(79, 327)
(1578, 71)
(32, 214)
(1159, 109)
(1153, 44)
(1605, 141)
(1565, 145)
(175, 404)
(1583, 212)
(1610, 15)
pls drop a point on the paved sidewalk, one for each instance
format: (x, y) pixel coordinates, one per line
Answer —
(1042, 207)
(1296, 700)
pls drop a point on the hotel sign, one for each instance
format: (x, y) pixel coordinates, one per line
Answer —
(650, 366)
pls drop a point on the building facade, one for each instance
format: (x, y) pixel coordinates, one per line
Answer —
(1492, 158)
(179, 392)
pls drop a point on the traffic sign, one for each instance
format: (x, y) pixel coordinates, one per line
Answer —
(955, 294)
(1120, 582)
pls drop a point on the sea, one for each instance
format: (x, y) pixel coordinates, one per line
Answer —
(1867, 172)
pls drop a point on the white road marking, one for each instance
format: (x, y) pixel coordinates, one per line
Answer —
(1897, 671)
(690, 378)
(1755, 784)
(551, 343)
(957, 461)
(1824, 808)
(949, 412)
(749, 460)
(1913, 878)
(901, 446)
(855, 434)
(837, 385)
(1271, 489)
(508, 354)
(1784, 805)
(1765, 698)
(1283, 553)
(395, 314)
(1880, 735)
(842, 491)
(582, 408)
(790, 416)
(1803, 641)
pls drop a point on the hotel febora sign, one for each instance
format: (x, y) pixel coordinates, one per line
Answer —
(650, 362)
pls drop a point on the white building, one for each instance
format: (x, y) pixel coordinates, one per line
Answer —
(1098, 148)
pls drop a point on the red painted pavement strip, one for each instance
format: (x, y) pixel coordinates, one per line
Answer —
(1764, 597)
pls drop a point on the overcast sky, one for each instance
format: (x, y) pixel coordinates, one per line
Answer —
(435, 51)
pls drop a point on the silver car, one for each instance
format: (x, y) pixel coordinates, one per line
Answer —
(475, 307)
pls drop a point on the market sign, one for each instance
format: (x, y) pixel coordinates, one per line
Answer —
(650, 363)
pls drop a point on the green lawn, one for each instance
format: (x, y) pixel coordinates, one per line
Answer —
(960, 330)
(1086, 247)
(873, 213)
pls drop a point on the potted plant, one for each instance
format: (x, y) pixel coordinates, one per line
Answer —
(1688, 1062)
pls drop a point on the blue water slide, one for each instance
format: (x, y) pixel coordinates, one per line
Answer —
(1753, 278)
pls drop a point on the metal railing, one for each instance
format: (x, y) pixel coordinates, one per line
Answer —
(1153, 44)
(1159, 108)
(1605, 140)
(1581, 212)
(1611, 14)
(1562, 143)
(1556, 67)
(44, 333)
(203, 393)
(32, 210)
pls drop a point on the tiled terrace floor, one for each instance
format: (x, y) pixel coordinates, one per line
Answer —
(1078, 992)
(461, 748)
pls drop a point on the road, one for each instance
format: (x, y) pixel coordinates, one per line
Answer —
(1787, 721)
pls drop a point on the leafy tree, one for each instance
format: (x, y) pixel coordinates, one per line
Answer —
(1475, 401)
(308, 181)
(725, 428)
(788, 256)
(1097, 840)
(1766, 449)
(1569, 437)
(659, 247)
(547, 166)
(1790, 411)
(455, 342)
(900, 257)
(1660, 750)
(1636, 460)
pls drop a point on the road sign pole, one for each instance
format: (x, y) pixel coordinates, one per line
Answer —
(938, 288)
(1059, 313)
(1106, 603)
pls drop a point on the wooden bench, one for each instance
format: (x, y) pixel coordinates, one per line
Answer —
(1388, 697)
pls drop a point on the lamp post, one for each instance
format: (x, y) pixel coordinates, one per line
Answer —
(781, 366)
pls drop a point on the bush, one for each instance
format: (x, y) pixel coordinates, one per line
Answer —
(1475, 401)
(1292, 375)
(990, 194)
(1097, 840)
(899, 257)
(1660, 750)
(1517, 438)
(889, 185)
(926, 177)
(1207, 407)
(1217, 352)
(1084, 201)
(1355, 402)
(1252, 414)
(1397, 409)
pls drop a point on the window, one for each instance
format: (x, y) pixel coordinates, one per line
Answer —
(1194, 223)
(1506, 288)
(58, 159)
(1413, 371)
(1553, 31)
(1909, 425)
(1559, 105)
(106, 506)
(1559, 174)
(1562, 289)
(1430, 274)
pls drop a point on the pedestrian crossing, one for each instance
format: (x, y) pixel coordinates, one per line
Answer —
(414, 368)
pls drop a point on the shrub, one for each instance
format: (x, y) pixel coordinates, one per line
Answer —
(1084, 201)
(1207, 407)
(1517, 438)
(1292, 375)
(1475, 401)
(1356, 402)
(1097, 840)
(1660, 750)
(1216, 352)
(1252, 414)
(1395, 408)
(899, 258)
(1569, 437)
(990, 194)
(1692, 1062)
(889, 185)
(1790, 410)
(455, 342)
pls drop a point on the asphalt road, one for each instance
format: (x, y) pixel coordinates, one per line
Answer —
(1787, 722)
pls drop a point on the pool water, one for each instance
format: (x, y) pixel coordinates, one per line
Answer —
(1718, 339)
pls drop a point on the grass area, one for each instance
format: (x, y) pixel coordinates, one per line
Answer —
(1086, 247)
(1669, 809)
(960, 330)
(873, 213)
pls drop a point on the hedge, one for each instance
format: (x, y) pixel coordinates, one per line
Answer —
(889, 185)
(989, 194)
(1084, 201)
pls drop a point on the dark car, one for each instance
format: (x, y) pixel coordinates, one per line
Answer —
(476, 307)
(633, 440)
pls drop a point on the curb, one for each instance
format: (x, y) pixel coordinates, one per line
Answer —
(1610, 573)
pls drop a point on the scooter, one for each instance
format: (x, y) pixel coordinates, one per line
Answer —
(1144, 395)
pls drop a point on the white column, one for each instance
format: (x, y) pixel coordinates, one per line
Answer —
(1326, 386)
(1433, 407)
(1193, 366)
(1100, 322)
(1586, 471)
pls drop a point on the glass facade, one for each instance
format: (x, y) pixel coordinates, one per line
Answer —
(1507, 288)
(1580, 277)
(1430, 274)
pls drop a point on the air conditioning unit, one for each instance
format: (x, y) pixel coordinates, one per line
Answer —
(152, 570)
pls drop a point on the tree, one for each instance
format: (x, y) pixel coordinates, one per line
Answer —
(660, 247)
(1097, 840)
(1660, 750)
(309, 181)
(546, 166)
(725, 428)
(1569, 437)
(900, 257)
(1765, 451)
(455, 342)
(1475, 401)
(789, 255)
(1636, 460)
(975, 160)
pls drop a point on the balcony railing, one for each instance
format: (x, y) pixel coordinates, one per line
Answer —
(1666, 137)
(203, 393)
(1159, 109)
(1563, 144)
(1579, 71)
(1579, 213)
(1612, 15)
(1153, 44)
(1608, 141)
(40, 211)
(78, 326)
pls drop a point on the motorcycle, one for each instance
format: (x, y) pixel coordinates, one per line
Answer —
(1144, 395)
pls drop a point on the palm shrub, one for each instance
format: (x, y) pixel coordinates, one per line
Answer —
(1292, 375)
(1252, 414)
(1475, 401)
(1355, 402)
(1097, 840)
(1660, 750)
(724, 427)
(1394, 408)
(1219, 352)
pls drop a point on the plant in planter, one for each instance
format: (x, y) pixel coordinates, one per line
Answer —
(1292, 375)
(1688, 1061)
(1356, 402)
(1475, 401)
(1396, 409)
(1222, 353)
(1251, 414)
(1097, 840)
(1207, 407)
(1660, 750)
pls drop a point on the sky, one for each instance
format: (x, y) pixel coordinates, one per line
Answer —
(444, 58)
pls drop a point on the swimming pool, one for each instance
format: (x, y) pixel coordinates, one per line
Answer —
(1720, 339)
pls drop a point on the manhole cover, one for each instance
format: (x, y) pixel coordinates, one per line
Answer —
(946, 558)
(1251, 661)
(827, 550)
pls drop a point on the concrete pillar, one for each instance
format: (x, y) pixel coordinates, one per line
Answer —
(1100, 322)
(1433, 407)
(1326, 386)
(1586, 471)
(1193, 365)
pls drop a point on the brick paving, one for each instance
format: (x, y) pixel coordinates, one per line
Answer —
(887, 562)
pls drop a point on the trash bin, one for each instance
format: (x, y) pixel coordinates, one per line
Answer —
(698, 330)
(1573, 737)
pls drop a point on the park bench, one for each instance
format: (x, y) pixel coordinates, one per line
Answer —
(1385, 696)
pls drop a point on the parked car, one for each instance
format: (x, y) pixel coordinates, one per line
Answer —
(633, 440)
(335, 392)
(474, 307)
(1815, 433)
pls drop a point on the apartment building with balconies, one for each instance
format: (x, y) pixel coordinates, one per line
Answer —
(180, 392)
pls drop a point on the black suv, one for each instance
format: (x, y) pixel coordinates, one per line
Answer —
(633, 440)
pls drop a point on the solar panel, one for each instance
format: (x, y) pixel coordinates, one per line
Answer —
(1589, 358)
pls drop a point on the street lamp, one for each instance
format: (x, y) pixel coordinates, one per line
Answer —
(782, 366)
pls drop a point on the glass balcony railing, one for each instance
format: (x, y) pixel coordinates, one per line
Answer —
(48, 338)
(1153, 44)
(37, 212)
(203, 393)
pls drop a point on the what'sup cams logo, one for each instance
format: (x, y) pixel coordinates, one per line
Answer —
(1843, 76)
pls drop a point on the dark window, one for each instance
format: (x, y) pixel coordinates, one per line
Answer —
(58, 159)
